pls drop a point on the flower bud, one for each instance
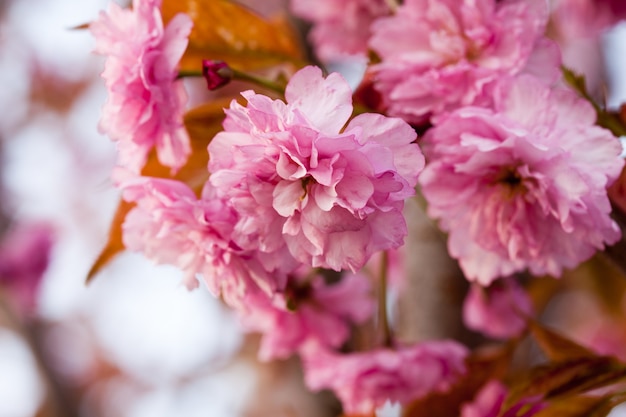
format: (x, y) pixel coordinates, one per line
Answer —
(216, 73)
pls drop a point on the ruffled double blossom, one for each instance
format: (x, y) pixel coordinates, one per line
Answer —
(145, 103)
(334, 193)
(522, 185)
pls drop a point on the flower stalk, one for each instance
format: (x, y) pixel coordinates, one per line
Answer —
(218, 74)
(383, 321)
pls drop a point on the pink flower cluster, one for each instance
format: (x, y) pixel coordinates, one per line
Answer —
(145, 104)
(170, 225)
(309, 312)
(296, 185)
(439, 55)
(436, 55)
(301, 195)
(365, 381)
(522, 185)
(587, 18)
(490, 402)
(24, 257)
(333, 194)
(499, 311)
(340, 28)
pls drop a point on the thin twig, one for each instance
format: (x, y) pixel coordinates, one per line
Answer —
(383, 322)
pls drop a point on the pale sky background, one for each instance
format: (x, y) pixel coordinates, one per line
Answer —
(57, 169)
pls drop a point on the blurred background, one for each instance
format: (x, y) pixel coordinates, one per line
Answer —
(134, 343)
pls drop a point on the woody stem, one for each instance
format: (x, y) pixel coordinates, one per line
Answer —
(383, 322)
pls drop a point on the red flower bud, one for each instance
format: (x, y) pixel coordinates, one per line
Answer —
(216, 73)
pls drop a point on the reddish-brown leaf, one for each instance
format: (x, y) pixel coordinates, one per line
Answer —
(577, 406)
(603, 409)
(83, 26)
(230, 32)
(114, 245)
(555, 346)
(566, 378)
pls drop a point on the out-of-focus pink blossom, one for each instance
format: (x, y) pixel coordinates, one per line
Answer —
(577, 26)
(603, 334)
(145, 105)
(365, 381)
(333, 194)
(498, 311)
(487, 402)
(24, 257)
(340, 28)
(586, 18)
(309, 313)
(490, 399)
(439, 55)
(522, 185)
(170, 225)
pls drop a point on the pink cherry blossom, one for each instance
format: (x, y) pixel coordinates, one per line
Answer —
(438, 55)
(309, 313)
(340, 28)
(488, 401)
(522, 185)
(170, 225)
(333, 194)
(24, 257)
(603, 334)
(586, 18)
(364, 381)
(145, 105)
(498, 311)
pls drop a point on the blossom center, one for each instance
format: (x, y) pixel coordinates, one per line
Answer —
(511, 180)
(297, 293)
(306, 181)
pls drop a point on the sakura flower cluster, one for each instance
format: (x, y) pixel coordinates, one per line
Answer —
(340, 30)
(309, 314)
(522, 185)
(587, 18)
(301, 193)
(170, 225)
(490, 402)
(366, 381)
(293, 185)
(437, 56)
(145, 105)
(24, 257)
(499, 311)
(333, 193)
